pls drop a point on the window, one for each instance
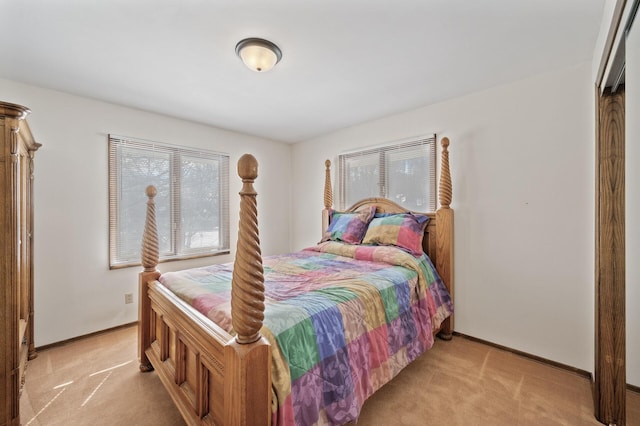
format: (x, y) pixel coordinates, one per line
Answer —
(403, 172)
(192, 205)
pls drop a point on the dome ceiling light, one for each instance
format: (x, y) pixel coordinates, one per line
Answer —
(258, 54)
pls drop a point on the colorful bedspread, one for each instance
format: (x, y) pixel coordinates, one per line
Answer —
(342, 320)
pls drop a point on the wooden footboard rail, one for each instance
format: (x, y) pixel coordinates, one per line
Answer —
(212, 377)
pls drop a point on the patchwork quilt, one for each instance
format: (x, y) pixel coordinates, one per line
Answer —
(342, 321)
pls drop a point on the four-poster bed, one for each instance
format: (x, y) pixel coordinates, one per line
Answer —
(235, 371)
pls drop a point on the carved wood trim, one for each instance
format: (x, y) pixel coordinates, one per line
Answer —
(13, 110)
(149, 262)
(445, 189)
(150, 235)
(328, 192)
(247, 287)
(444, 261)
(328, 197)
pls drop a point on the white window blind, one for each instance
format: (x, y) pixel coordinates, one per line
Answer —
(403, 172)
(192, 205)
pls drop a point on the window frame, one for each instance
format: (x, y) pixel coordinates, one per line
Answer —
(176, 153)
(384, 174)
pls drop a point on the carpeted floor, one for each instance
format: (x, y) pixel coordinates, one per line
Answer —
(95, 381)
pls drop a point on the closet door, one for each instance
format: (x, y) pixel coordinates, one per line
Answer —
(617, 296)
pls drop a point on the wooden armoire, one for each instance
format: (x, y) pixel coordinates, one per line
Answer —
(17, 149)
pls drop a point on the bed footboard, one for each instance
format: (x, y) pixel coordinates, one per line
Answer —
(212, 377)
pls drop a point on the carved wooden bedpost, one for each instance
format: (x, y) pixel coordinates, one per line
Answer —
(149, 262)
(247, 294)
(328, 196)
(247, 382)
(444, 230)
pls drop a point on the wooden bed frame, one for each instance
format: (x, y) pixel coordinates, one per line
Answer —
(216, 378)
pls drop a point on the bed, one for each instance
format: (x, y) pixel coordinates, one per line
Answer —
(239, 352)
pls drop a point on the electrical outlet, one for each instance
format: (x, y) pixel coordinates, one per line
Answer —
(128, 298)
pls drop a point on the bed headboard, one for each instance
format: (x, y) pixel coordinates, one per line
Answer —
(437, 242)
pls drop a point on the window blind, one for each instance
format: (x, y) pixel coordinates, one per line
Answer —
(403, 172)
(192, 205)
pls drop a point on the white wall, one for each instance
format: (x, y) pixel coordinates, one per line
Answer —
(522, 161)
(632, 191)
(75, 292)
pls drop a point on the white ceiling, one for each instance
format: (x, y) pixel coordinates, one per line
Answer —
(344, 61)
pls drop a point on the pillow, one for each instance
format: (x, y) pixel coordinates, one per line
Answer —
(404, 230)
(348, 227)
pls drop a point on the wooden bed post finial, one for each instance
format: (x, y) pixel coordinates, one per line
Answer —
(149, 262)
(328, 193)
(150, 236)
(445, 190)
(247, 358)
(247, 293)
(328, 196)
(444, 232)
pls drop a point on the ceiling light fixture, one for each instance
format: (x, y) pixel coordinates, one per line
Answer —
(258, 54)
